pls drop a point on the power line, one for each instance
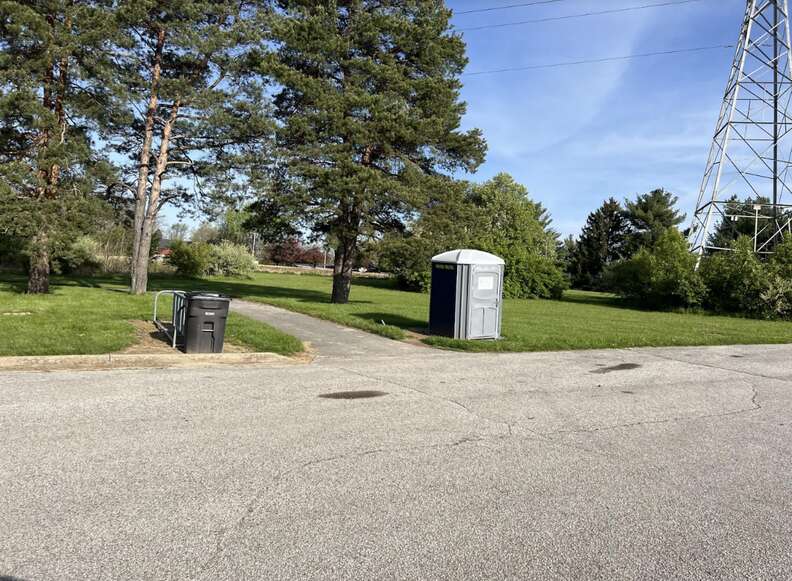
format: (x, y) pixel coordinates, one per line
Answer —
(580, 15)
(508, 6)
(601, 60)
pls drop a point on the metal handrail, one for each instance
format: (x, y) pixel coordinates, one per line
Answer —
(178, 316)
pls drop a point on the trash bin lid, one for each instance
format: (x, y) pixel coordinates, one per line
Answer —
(208, 295)
(467, 256)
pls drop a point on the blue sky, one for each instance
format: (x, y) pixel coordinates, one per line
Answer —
(577, 135)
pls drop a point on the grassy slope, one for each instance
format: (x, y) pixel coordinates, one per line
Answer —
(90, 316)
(582, 321)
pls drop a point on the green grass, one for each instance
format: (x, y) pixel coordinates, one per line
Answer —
(583, 320)
(89, 316)
(260, 337)
(85, 316)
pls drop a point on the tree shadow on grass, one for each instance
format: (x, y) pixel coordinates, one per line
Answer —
(14, 284)
(85, 282)
(616, 302)
(237, 289)
(604, 300)
(591, 298)
(234, 288)
(394, 320)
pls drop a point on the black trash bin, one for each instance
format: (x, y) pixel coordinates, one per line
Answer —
(205, 322)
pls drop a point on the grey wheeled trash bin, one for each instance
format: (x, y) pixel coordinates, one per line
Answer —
(205, 322)
(466, 295)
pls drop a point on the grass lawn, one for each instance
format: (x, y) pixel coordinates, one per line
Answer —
(90, 316)
(82, 316)
(583, 320)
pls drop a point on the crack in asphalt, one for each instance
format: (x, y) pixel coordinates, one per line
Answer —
(509, 427)
(250, 507)
(719, 368)
(543, 436)
(224, 533)
(754, 407)
(547, 436)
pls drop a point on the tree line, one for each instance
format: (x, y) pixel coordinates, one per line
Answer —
(615, 232)
(339, 118)
(637, 251)
(335, 121)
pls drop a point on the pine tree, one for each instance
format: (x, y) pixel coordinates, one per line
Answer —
(602, 242)
(194, 115)
(649, 217)
(50, 101)
(369, 116)
(739, 221)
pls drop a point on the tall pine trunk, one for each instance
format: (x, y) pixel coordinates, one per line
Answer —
(342, 270)
(141, 245)
(39, 267)
(140, 259)
(141, 262)
(54, 92)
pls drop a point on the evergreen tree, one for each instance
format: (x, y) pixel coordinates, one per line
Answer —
(603, 241)
(194, 115)
(369, 115)
(739, 221)
(565, 252)
(649, 217)
(49, 53)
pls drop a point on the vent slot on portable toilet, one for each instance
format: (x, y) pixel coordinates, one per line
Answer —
(466, 295)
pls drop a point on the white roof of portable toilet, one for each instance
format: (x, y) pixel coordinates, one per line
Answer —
(466, 256)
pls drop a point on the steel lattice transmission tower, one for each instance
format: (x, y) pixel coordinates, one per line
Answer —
(751, 153)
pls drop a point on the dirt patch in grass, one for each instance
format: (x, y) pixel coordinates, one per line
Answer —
(149, 340)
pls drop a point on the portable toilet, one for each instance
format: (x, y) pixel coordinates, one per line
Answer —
(466, 295)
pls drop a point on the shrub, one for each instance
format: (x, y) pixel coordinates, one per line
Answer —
(736, 280)
(190, 259)
(286, 251)
(534, 277)
(83, 257)
(776, 299)
(781, 261)
(409, 260)
(229, 259)
(312, 255)
(631, 278)
(497, 217)
(664, 276)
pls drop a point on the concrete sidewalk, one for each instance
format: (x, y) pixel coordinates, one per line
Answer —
(326, 339)
(625, 464)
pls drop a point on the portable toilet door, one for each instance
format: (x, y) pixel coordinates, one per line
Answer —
(467, 287)
(485, 293)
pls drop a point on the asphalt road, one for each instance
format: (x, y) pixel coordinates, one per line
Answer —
(641, 464)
